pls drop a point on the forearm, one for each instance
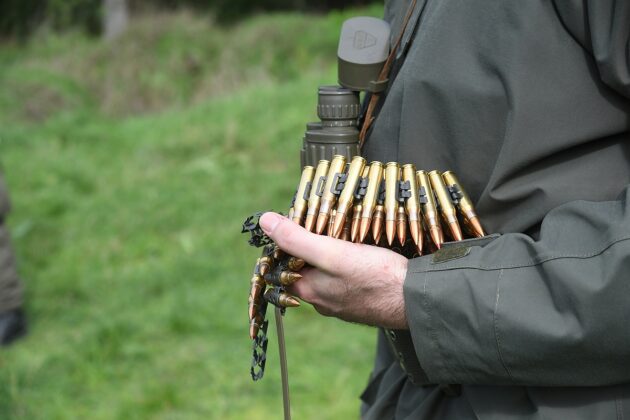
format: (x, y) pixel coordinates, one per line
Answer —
(518, 311)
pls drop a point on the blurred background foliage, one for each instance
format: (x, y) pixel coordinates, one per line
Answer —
(21, 17)
(131, 164)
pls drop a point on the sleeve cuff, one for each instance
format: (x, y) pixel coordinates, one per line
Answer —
(450, 311)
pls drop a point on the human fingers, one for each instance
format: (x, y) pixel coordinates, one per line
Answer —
(319, 251)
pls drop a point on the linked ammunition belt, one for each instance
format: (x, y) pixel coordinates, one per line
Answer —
(358, 202)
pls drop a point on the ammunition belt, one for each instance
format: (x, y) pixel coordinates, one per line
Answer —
(412, 212)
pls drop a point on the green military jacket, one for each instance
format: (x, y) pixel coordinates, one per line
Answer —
(528, 101)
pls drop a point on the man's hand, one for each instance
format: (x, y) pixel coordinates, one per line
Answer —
(353, 282)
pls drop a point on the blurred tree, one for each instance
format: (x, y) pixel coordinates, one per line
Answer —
(18, 18)
(115, 18)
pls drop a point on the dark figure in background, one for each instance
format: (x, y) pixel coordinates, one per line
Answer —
(12, 320)
(529, 103)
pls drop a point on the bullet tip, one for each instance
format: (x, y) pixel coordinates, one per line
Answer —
(320, 224)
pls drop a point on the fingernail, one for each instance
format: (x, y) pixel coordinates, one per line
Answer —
(269, 221)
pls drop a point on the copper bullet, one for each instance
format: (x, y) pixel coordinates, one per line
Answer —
(346, 198)
(412, 204)
(295, 264)
(364, 227)
(371, 199)
(281, 299)
(428, 205)
(253, 309)
(302, 194)
(277, 253)
(329, 197)
(282, 278)
(331, 222)
(257, 287)
(401, 225)
(265, 265)
(447, 210)
(254, 325)
(345, 231)
(317, 190)
(464, 204)
(288, 301)
(377, 223)
(392, 176)
(287, 278)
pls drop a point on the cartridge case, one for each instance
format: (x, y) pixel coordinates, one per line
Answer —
(412, 204)
(429, 209)
(392, 176)
(375, 177)
(301, 196)
(280, 277)
(281, 299)
(356, 221)
(295, 264)
(264, 264)
(277, 253)
(255, 324)
(447, 210)
(317, 189)
(346, 198)
(464, 203)
(329, 198)
(257, 287)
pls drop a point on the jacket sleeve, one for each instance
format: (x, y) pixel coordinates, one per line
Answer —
(552, 312)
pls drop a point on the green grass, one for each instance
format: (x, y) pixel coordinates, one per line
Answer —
(126, 220)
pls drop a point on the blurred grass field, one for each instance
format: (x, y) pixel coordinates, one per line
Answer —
(131, 167)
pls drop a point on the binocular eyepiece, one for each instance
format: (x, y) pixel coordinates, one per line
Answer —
(336, 133)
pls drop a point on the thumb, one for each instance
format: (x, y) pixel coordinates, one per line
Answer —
(319, 251)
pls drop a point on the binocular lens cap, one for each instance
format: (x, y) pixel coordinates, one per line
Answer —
(363, 49)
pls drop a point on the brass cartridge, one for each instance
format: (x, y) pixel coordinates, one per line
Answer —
(253, 308)
(301, 196)
(429, 208)
(346, 198)
(329, 198)
(257, 287)
(277, 253)
(447, 210)
(412, 204)
(265, 264)
(281, 299)
(278, 277)
(356, 220)
(471, 220)
(317, 189)
(356, 211)
(375, 176)
(392, 176)
(254, 325)
(295, 264)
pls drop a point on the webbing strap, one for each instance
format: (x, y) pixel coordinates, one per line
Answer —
(369, 118)
(284, 373)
